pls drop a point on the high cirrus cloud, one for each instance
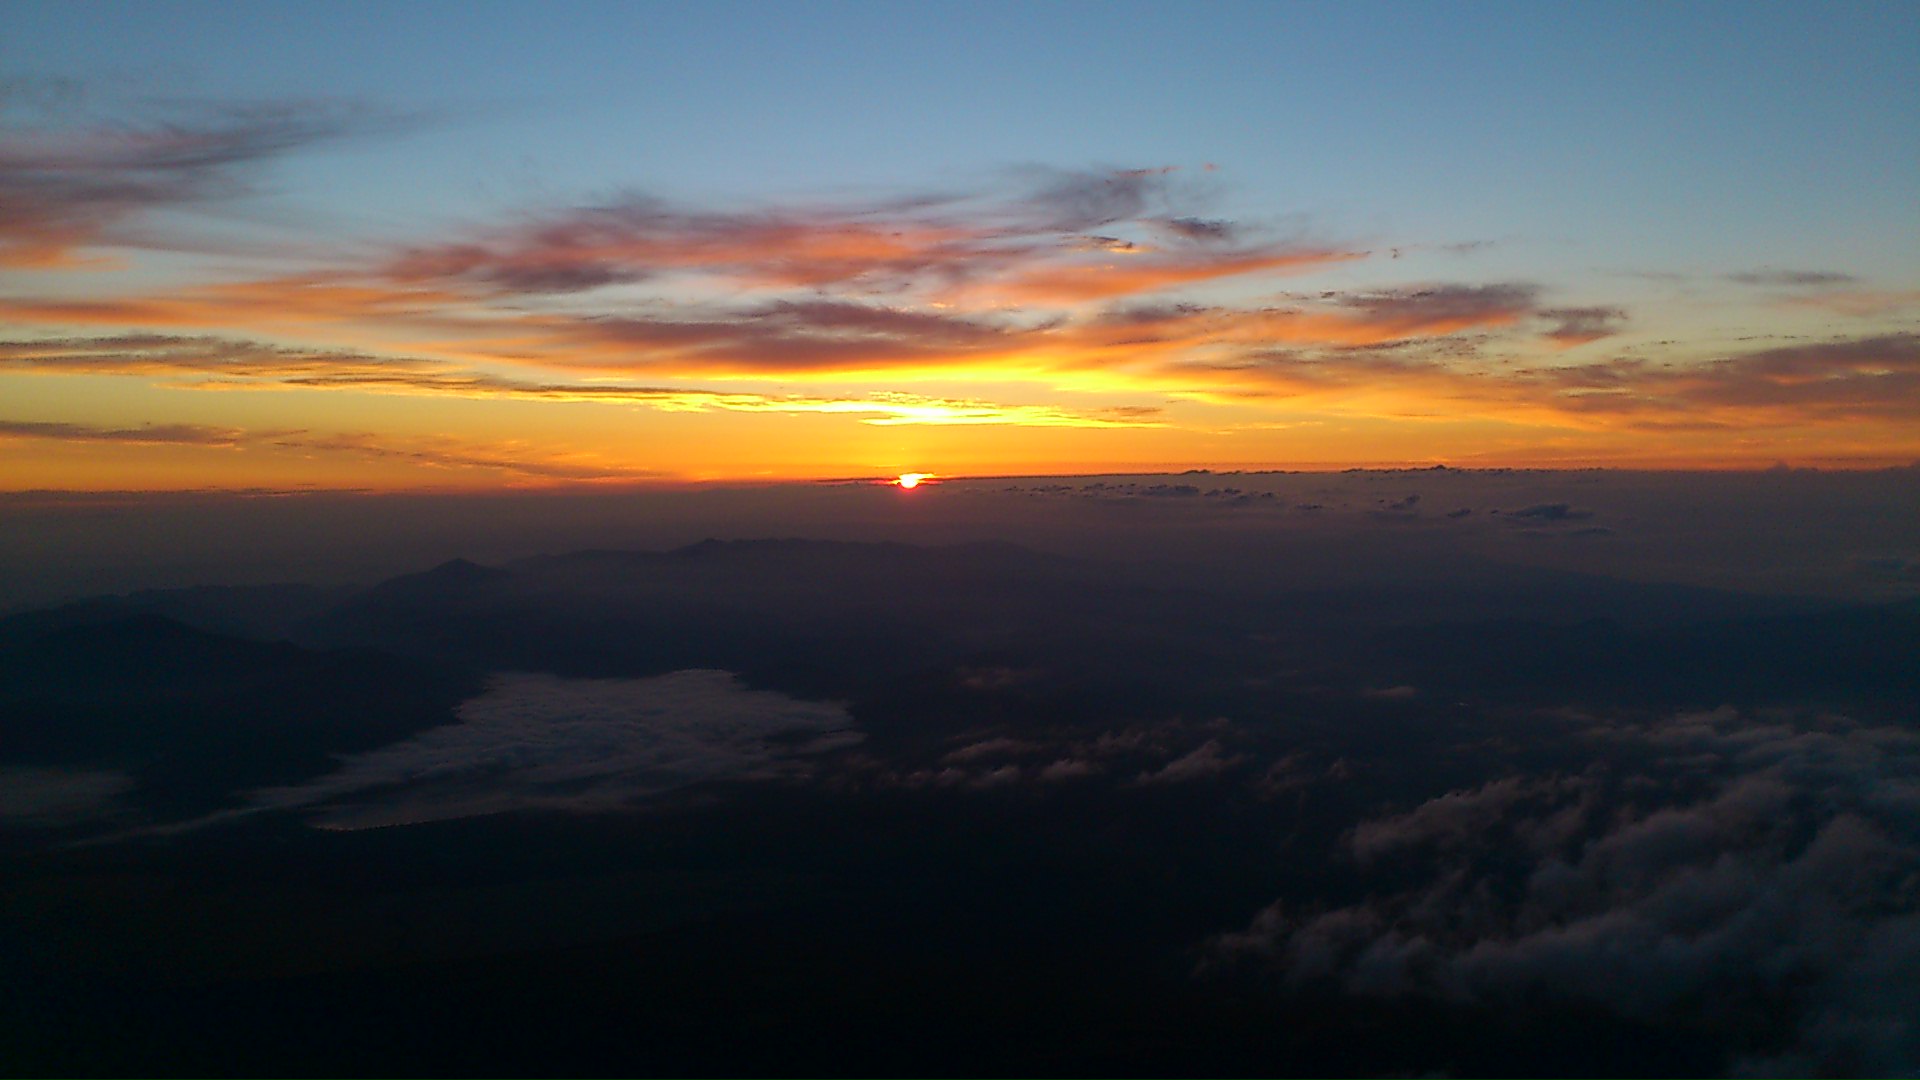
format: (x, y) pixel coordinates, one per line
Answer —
(1075, 281)
(1439, 309)
(1829, 383)
(434, 453)
(203, 355)
(1334, 352)
(213, 363)
(1832, 381)
(640, 239)
(1072, 237)
(1792, 278)
(66, 190)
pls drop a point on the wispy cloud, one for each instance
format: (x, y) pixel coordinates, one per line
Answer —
(167, 355)
(67, 190)
(441, 453)
(45, 797)
(1831, 383)
(1438, 309)
(1071, 238)
(1791, 278)
(212, 363)
(152, 434)
(1858, 303)
(1875, 378)
(1078, 285)
(1181, 351)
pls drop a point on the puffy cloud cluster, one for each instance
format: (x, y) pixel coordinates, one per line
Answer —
(1754, 878)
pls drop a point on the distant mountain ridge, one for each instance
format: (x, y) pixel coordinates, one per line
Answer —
(841, 619)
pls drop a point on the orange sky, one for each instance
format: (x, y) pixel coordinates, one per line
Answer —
(1061, 322)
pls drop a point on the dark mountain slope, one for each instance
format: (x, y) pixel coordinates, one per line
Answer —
(195, 715)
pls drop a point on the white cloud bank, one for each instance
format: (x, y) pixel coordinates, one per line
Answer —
(534, 740)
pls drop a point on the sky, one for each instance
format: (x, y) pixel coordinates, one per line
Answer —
(493, 245)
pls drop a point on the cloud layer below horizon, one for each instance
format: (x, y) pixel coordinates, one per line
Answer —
(1706, 868)
(535, 741)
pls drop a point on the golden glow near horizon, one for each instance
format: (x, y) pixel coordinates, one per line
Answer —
(645, 343)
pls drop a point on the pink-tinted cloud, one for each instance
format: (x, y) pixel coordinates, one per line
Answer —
(1858, 303)
(1578, 326)
(1134, 275)
(438, 453)
(66, 191)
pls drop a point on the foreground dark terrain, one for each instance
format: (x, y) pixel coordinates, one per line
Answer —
(1350, 802)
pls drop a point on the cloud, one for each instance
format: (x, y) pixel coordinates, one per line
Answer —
(267, 304)
(1069, 769)
(1747, 876)
(1841, 380)
(1857, 303)
(1440, 309)
(1135, 275)
(1072, 283)
(1214, 353)
(35, 797)
(1450, 820)
(981, 288)
(212, 363)
(1024, 244)
(1206, 760)
(64, 190)
(784, 338)
(1391, 693)
(457, 455)
(1792, 278)
(958, 779)
(1198, 230)
(54, 96)
(540, 741)
(640, 239)
(431, 453)
(994, 762)
(988, 749)
(153, 434)
(1577, 326)
(170, 355)
(1074, 202)
(1551, 512)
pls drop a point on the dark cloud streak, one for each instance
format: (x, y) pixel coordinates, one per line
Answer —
(1792, 278)
(62, 191)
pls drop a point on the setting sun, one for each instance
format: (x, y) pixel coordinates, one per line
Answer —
(912, 479)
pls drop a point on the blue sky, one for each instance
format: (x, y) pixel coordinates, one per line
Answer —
(1655, 132)
(1623, 156)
